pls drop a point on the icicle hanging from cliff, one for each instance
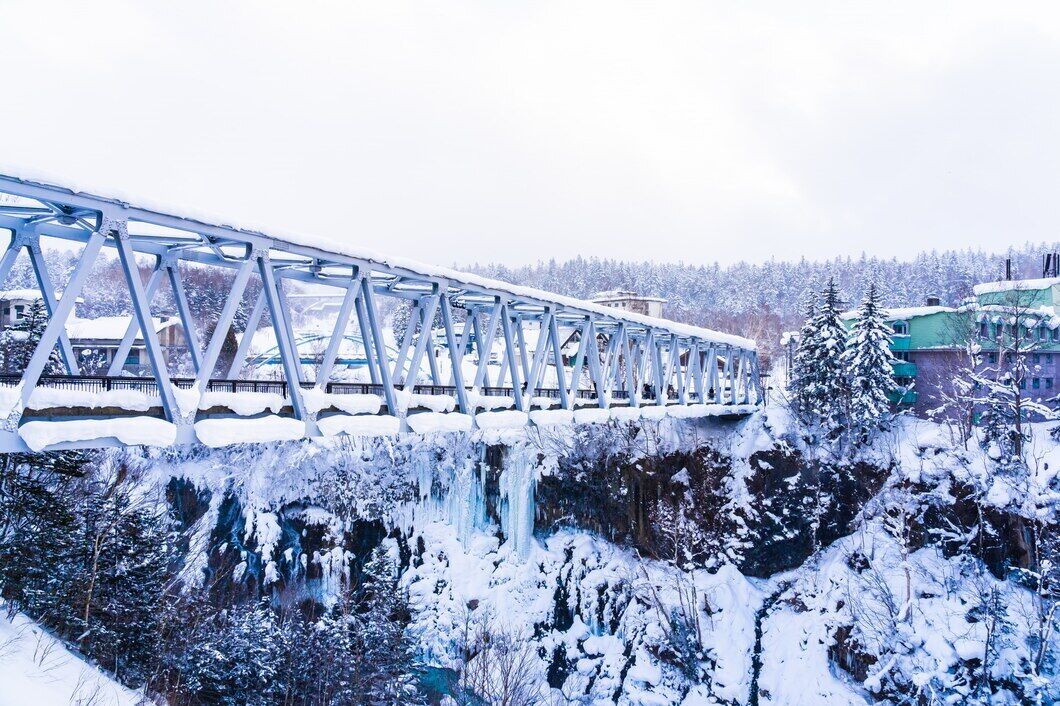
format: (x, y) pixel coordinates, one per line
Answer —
(466, 500)
(518, 484)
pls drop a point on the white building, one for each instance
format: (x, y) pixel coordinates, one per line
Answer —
(631, 302)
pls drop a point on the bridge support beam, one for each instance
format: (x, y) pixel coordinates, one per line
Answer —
(57, 322)
(342, 321)
(379, 346)
(456, 357)
(288, 353)
(142, 310)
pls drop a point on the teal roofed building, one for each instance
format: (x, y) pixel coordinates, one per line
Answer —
(928, 342)
(924, 346)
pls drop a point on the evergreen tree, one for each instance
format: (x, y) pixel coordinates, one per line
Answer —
(127, 557)
(805, 359)
(18, 343)
(867, 362)
(822, 391)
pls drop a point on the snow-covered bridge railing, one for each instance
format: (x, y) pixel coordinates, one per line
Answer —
(490, 353)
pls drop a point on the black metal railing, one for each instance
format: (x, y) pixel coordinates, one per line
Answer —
(103, 383)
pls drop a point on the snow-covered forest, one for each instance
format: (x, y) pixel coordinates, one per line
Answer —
(761, 300)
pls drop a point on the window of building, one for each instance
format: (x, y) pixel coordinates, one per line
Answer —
(902, 355)
(1048, 383)
(984, 329)
(901, 328)
(1043, 333)
(18, 311)
(992, 357)
(1036, 383)
(1037, 357)
(133, 358)
(1056, 334)
(1023, 384)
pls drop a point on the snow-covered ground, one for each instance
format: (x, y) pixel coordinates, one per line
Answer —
(37, 670)
(605, 623)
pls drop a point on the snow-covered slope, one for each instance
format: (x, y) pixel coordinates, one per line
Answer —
(36, 670)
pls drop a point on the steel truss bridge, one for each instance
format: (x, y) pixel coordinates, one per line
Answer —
(613, 358)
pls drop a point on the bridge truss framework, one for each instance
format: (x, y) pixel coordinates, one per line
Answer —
(620, 356)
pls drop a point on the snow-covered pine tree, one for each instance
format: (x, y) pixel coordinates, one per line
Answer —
(805, 357)
(18, 343)
(867, 363)
(823, 393)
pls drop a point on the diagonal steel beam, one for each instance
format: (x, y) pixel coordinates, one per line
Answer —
(288, 352)
(253, 321)
(224, 323)
(342, 321)
(191, 337)
(57, 322)
(142, 312)
(409, 378)
(379, 346)
(509, 353)
(133, 328)
(557, 358)
(47, 290)
(456, 358)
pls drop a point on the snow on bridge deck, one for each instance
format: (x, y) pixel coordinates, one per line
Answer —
(467, 337)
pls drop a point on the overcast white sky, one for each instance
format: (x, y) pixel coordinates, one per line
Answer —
(456, 132)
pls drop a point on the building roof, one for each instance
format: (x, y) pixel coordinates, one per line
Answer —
(13, 294)
(108, 328)
(620, 295)
(902, 313)
(1011, 285)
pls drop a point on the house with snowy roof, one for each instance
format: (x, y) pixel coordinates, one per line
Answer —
(101, 337)
(14, 303)
(630, 301)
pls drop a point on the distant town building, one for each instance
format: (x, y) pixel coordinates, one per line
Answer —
(928, 341)
(14, 303)
(630, 301)
(102, 336)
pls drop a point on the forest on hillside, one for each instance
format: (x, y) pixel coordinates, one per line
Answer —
(762, 300)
